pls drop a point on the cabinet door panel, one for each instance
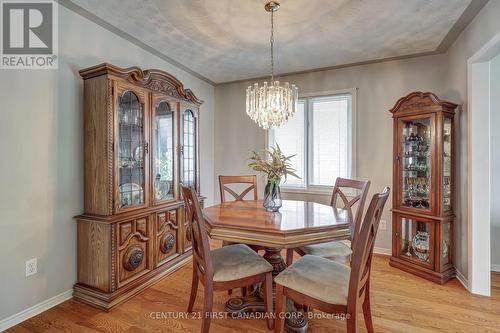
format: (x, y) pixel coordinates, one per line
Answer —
(190, 153)
(416, 167)
(415, 240)
(131, 149)
(447, 172)
(134, 249)
(167, 236)
(164, 160)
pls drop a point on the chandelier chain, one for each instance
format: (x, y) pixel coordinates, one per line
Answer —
(272, 46)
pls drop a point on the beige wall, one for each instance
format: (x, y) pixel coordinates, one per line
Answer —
(41, 169)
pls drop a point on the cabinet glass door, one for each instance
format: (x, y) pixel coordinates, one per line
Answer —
(447, 163)
(163, 151)
(416, 163)
(415, 240)
(189, 159)
(131, 145)
(446, 250)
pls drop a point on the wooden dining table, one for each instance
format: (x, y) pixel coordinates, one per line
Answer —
(296, 224)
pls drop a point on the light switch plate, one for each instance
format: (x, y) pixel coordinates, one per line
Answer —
(31, 267)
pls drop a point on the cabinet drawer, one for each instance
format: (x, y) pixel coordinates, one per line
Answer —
(167, 236)
(134, 249)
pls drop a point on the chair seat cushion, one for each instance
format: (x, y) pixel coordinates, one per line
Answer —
(317, 277)
(328, 250)
(237, 261)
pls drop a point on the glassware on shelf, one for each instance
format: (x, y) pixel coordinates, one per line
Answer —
(415, 239)
(131, 150)
(131, 194)
(416, 164)
(420, 245)
(447, 165)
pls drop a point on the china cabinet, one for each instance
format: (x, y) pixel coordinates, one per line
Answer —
(423, 180)
(141, 142)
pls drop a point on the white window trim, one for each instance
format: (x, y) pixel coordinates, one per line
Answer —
(316, 189)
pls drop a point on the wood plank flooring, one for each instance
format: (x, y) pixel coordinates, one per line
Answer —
(401, 302)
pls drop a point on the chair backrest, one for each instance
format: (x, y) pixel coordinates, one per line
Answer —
(226, 180)
(362, 187)
(363, 252)
(199, 236)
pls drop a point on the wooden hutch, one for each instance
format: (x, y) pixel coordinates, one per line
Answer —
(141, 142)
(424, 181)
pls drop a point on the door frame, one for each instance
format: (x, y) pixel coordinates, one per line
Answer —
(479, 161)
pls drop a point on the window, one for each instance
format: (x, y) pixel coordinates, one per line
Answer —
(320, 135)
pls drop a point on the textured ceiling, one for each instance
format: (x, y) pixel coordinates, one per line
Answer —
(227, 40)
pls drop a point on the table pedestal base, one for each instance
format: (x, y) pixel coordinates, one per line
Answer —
(295, 321)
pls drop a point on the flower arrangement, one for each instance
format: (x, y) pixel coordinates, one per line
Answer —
(276, 166)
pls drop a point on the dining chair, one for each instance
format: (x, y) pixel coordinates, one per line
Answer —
(224, 181)
(250, 180)
(340, 250)
(332, 287)
(225, 268)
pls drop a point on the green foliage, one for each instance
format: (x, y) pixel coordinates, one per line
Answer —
(274, 164)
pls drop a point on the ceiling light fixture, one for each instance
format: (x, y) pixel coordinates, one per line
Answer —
(271, 105)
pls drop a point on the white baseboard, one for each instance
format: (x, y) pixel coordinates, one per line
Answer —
(34, 310)
(495, 268)
(462, 279)
(381, 250)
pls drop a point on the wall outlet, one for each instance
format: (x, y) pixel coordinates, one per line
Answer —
(383, 225)
(31, 267)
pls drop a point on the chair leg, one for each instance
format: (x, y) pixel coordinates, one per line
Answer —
(279, 322)
(289, 257)
(352, 323)
(367, 311)
(207, 308)
(268, 299)
(194, 290)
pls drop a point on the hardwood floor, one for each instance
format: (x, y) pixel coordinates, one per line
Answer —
(400, 303)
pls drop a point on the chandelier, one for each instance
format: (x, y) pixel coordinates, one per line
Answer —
(271, 105)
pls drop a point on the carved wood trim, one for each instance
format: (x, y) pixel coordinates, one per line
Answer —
(152, 79)
(421, 100)
(113, 258)
(109, 148)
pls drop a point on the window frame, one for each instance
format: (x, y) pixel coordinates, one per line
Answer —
(308, 187)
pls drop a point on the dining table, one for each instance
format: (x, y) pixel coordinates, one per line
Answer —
(297, 223)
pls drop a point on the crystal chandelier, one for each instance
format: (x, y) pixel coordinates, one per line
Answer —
(271, 105)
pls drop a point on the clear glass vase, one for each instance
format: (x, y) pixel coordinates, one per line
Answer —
(272, 197)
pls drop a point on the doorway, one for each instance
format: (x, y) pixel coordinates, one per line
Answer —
(484, 165)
